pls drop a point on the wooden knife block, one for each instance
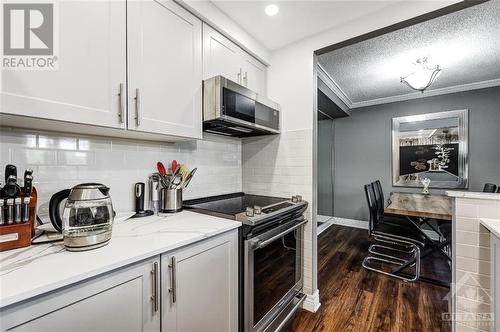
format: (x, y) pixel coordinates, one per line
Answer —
(19, 235)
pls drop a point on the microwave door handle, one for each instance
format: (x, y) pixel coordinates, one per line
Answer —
(261, 244)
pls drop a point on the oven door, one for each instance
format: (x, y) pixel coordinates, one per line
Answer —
(273, 275)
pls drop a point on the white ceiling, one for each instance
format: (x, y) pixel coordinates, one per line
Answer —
(297, 19)
(465, 44)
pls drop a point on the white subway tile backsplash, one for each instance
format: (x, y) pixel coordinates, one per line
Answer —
(33, 157)
(75, 158)
(282, 166)
(57, 142)
(61, 161)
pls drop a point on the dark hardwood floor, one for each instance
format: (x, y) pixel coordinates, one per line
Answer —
(355, 299)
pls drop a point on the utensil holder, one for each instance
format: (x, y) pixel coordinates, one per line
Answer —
(19, 235)
(171, 200)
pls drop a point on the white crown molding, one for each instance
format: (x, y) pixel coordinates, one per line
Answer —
(428, 93)
(330, 83)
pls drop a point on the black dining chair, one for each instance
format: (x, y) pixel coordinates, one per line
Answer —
(489, 188)
(379, 198)
(391, 241)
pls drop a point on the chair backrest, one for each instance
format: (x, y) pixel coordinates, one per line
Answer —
(379, 197)
(489, 188)
(372, 207)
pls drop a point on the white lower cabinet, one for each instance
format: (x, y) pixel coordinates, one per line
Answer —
(119, 301)
(200, 286)
(194, 288)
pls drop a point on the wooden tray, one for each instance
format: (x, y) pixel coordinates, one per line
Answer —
(19, 235)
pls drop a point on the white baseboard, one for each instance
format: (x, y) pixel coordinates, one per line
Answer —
(328, 221)
(311, 303)
(350, 222)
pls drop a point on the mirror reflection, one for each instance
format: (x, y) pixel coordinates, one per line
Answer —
(430, 149)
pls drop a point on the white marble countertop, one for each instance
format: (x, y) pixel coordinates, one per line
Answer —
(31, 271)
(493, 225)
(472, 194)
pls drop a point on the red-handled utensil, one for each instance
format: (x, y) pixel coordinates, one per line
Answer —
(174, 166)
(161, 168)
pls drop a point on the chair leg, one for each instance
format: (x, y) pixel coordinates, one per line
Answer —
(405, 247)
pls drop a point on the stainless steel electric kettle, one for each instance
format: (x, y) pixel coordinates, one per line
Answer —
(87, 218)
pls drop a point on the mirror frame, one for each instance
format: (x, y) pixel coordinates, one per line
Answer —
(463, 161)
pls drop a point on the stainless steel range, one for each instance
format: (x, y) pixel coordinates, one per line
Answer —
(270, 255)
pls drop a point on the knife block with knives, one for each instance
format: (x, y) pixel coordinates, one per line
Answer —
(17, 210)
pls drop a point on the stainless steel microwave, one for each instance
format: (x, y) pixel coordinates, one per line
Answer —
(231, 109)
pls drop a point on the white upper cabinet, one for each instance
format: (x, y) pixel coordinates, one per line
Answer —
(254, 75)
(91, 68)
(223, 57)
(164, 68)
(220, 56)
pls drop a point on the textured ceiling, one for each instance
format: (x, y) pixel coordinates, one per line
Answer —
(297, 19)
(465, 44)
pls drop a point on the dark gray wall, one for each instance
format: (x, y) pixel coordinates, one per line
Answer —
(325, 167)
(362, 145)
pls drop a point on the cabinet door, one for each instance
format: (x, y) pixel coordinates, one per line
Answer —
(91, 69)
(200, 287)
(165, 69)
(254, 75)
(220, 56)
(120, 301)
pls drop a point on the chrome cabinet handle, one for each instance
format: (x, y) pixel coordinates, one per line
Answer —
(261, 244)
(239, 76)
(137, 101)
(173, 279)
(120, 103)
(245, 78)
(155, 296)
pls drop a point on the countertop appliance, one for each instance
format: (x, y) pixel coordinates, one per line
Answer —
(270, 254)
(87, 218)
(231, 109)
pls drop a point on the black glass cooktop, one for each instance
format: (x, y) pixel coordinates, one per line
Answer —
(231, 204)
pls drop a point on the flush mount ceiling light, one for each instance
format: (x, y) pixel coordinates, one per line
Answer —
(422, 77)
(272, 10)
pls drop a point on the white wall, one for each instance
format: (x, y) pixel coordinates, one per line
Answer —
(60, 161)
(225, 25)
(291, 82)
(472, 289)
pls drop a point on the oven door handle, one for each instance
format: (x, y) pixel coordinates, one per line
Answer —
(261, 244)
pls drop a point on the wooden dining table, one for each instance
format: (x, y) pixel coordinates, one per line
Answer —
(419, 209)
(420, 205)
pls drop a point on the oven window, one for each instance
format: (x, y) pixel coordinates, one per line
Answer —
(275, 270)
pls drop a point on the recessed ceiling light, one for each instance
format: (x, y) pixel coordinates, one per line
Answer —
(272, 9)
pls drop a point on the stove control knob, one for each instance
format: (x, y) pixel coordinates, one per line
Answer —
(257, 209)
(249, 212)
(295, 199)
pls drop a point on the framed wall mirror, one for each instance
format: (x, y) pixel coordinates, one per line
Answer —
(431, 146)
